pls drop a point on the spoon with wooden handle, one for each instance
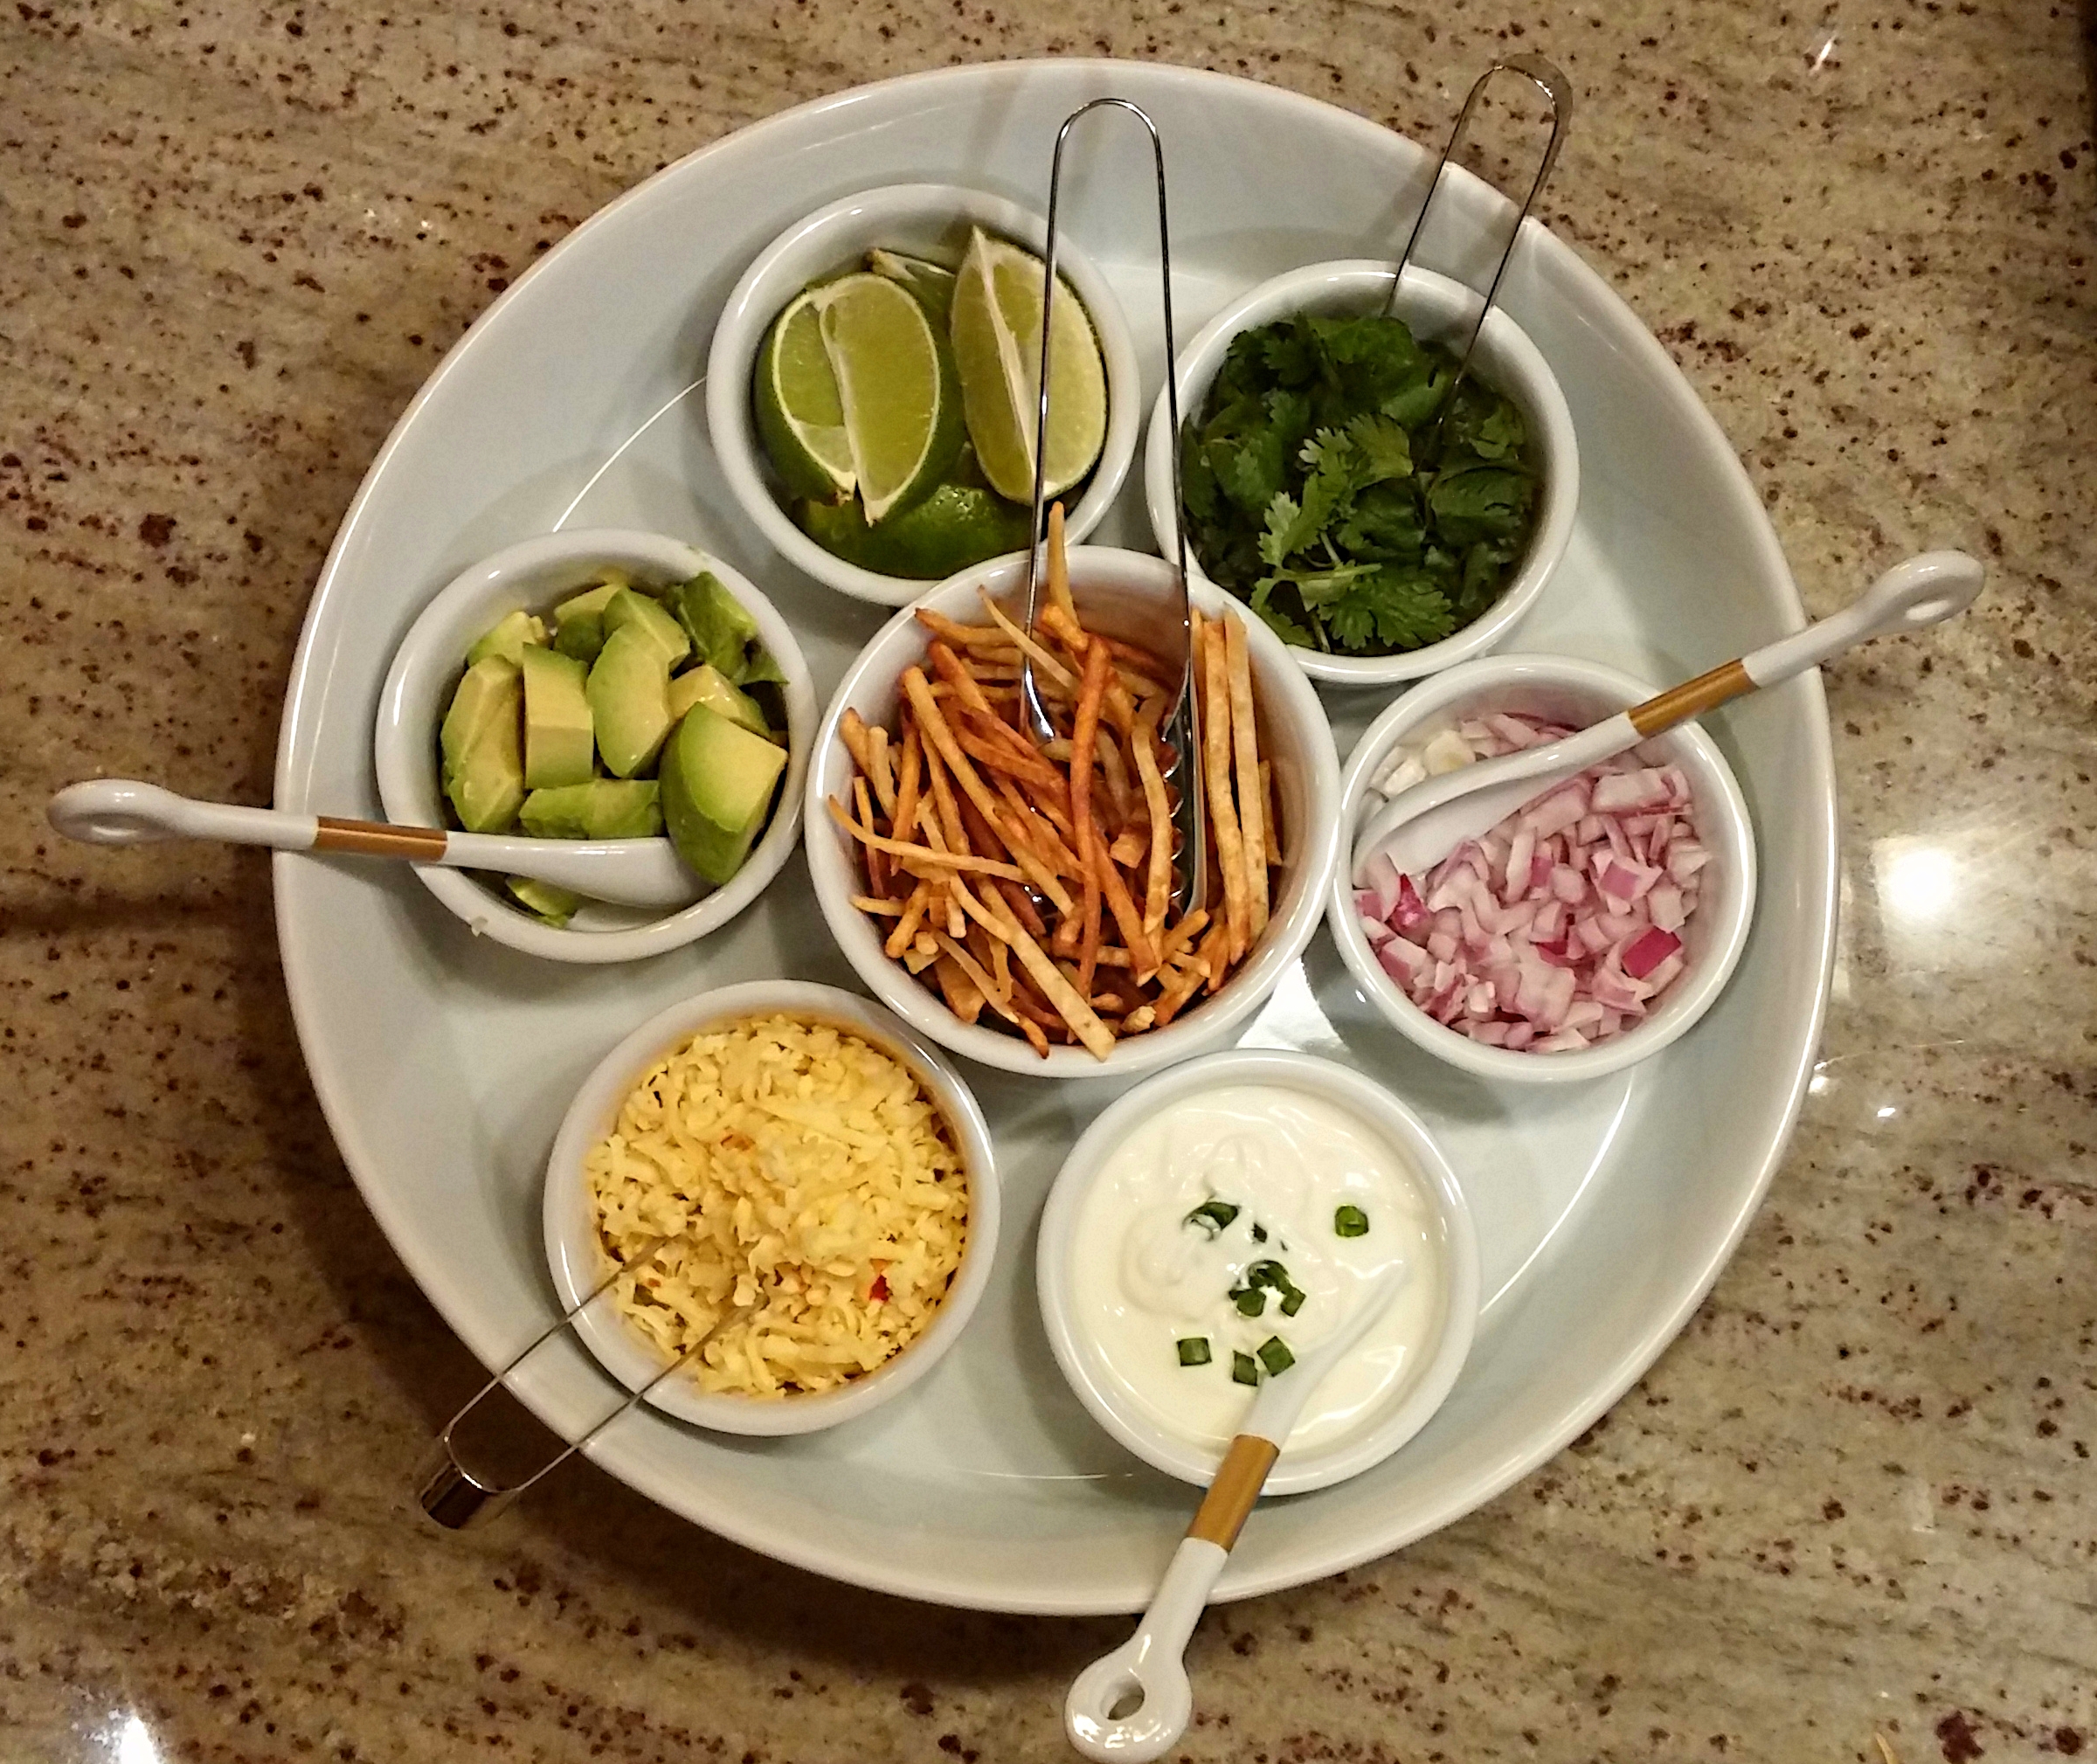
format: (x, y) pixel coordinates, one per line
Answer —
(1418, 827)
(627, 872)
(1131, 1706)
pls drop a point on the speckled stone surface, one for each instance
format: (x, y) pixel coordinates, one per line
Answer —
(1853, 1507)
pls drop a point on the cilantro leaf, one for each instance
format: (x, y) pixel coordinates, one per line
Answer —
(1385, 449)
(1475, 503)
(1289, 630)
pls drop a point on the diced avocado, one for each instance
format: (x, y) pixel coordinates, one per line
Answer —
(718, 785)
(509, 638)
(558, 747)
(482, 744)
(629, 694)
(703, 685)
(579, 624)
(629, 607)
(556, 905)
(604, 808)
(761, 667)
(721, 627)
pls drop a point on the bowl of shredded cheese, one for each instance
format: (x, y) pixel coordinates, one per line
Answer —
(784, 1203)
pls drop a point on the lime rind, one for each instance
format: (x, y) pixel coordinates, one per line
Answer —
(897, 386)
(800, 411)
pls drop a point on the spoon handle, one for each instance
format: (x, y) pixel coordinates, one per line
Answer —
(1912, 596)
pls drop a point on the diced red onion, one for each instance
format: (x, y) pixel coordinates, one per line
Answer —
(1561, 927)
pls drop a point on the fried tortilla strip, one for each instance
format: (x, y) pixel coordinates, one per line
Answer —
(1223, 819)
(1083, 1020)
(922, 854)
(1022, 907)
(1129, 845)
(964, 998)
(881, 774)
(1116, 773)
(880, 908)
(1084, 742)
(905, 933)
(960, 636)
(979, 981)
(1059, 562)
(909, 783)
(1245, 745)
(1127, 919)
(1157, 879)
(852, 730)
(1182, 934)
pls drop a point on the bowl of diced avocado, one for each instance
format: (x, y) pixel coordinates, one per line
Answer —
(603, 686)
(873, 379)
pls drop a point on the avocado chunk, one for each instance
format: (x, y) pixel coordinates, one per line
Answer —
(721, 629)
(718, 785)
(558, 747)
(508, 638)
(704, 685)
(626, 607)
(629, 695)
(482, 744)
(604, 808)
(579, 623)
(543, 899)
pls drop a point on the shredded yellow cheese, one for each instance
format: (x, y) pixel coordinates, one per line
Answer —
(815, 1204)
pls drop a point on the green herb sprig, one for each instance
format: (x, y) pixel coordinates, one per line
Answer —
(1319, 489)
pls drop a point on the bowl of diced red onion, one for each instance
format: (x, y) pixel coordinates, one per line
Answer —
(1587, 930)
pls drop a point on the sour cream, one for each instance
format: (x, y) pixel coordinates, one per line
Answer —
(1160, 1258)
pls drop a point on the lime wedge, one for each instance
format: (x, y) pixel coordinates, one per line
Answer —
(931, 283)
(800, 417)
(901, 405)
(997, 337)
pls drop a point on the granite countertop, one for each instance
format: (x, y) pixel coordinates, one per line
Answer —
(1848, 1515)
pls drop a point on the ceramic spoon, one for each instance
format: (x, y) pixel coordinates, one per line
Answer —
(1420, 826)
(627, 872)
(1144, 1679)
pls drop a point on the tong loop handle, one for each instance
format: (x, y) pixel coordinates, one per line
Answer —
(1549, 79)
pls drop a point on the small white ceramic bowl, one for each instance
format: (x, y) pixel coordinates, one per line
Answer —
(537, 576)
(1307, 779)
(1405, 1412)
(1575, 693)
(1438, 310)
(579, 1264)
(927, 219)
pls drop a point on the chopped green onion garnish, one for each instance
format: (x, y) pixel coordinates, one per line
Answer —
(1275, 1355)
(1251, 1301)
(1350, 1221)
(1292, 1303)
(1270, 1274)
(1193, 1350)
(1259, 1234)
(1244, 1369)
(1213, 1214)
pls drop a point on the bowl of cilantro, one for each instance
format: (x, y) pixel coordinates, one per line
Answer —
(1382, 530)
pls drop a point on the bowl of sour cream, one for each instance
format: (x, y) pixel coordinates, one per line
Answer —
(1224, 1217)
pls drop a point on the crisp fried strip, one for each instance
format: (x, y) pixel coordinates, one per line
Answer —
(1157, 879)
(921, 954)
(1116, 773)
(1223, 819)
(964, 998)
(948, 665)
(910, 784)
(1084, 1021)
(921, 854)
(880, 908)
(906, 928)
(1139, 1019)
(1031, 769)
(882, 773)
(1176, 940)
(1245, 745)
(1215, 956)
(1186, 982)
(1023, 908)
(1084, 742)
(961, 636)
(1131, 844)
(1134, 939)
(979, 977)
(852, 730)
(1271, 798)
(1059, 563)
(1064, 628)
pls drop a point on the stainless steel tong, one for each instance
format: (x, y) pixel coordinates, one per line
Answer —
(1182, 725)
(1558, 94)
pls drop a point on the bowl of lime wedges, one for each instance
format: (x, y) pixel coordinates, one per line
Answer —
(872, 382)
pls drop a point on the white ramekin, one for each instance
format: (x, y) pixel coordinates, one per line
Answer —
(579, 1264)
(1438, 310)
(537, 576)
(926, 218)
(1307, 780)
(1406, 1412)
(1575, 693)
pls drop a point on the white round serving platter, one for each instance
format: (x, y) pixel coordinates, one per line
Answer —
(445, 1063)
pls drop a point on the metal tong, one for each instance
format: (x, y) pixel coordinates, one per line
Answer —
(456, 1496)
(1558, 92)
(1182, 726)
